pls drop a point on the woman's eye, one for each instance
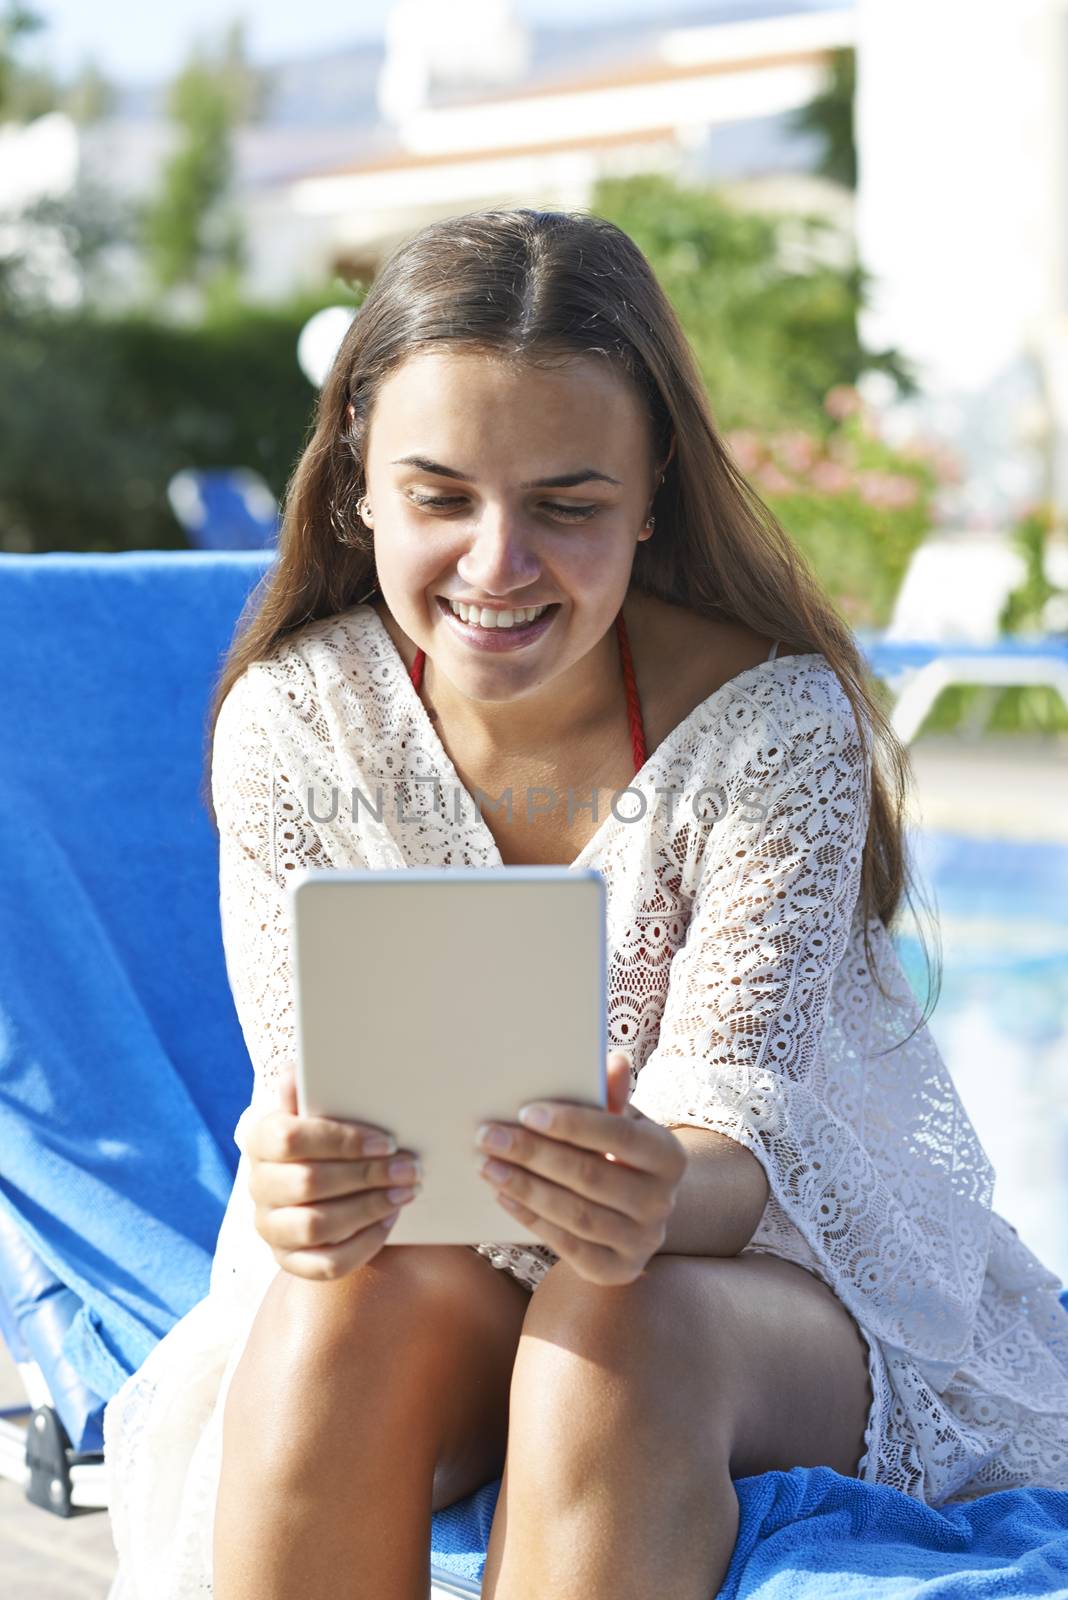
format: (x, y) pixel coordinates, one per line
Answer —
(437, 500)
(441, 502)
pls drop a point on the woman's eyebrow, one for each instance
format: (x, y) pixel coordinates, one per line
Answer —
(566, 480)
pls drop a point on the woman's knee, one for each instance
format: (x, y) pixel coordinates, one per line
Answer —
(622, 1329)
(419, 1350)
(617, 1361)
(393, 1327)
(589, 1351)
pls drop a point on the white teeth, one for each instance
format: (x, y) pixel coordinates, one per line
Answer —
(482, 618)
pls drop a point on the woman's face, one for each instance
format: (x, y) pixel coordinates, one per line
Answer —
(475, 518)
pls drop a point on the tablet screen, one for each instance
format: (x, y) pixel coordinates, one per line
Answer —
(430, 1000)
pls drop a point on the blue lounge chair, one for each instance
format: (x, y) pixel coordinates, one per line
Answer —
(917, 670)
(116, 1022)
(225, 508)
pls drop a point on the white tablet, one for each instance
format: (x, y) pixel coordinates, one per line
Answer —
(430, 1000)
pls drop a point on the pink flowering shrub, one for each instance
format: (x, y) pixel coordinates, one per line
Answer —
(855, 506)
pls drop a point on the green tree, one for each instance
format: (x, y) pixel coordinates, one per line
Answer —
(830, 116)
(29, 91)
(191, 233)
(772, 320)
(88, 223)
(90, 96)
(25, 91)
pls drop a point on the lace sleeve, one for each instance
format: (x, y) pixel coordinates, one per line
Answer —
(739, 1047)
(264, 834)
(748, 990)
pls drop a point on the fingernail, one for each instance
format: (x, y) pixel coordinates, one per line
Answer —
(537, 1117)
(379, 1144)
(494, 1138)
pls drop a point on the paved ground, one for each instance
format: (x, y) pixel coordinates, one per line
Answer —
(43, 1557)
(1016, 789)
(1003, 786)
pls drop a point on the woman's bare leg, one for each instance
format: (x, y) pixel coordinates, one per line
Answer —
(358, 1408)
(634, 1408)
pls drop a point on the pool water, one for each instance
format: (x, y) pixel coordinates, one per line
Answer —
(1001, 1022)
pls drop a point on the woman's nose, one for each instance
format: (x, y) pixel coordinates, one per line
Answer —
(498, 558)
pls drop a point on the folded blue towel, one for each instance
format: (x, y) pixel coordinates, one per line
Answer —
(815, 1534)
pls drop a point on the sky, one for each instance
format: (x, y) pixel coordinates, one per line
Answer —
(134, 42)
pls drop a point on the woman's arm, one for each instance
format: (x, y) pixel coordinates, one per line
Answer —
(721, 1199)
(735, 1072)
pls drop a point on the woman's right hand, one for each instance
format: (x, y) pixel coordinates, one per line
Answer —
(323, 1205)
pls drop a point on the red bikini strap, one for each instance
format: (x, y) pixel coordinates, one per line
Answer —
(634, 709)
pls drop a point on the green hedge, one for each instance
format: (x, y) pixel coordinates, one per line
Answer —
(97, 413)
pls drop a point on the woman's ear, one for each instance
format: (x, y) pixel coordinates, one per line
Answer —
(350, 413)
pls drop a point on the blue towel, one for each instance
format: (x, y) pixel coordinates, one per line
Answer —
(123, 1069)
(815, 1534)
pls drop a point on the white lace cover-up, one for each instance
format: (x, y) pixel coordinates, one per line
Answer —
(736, 981)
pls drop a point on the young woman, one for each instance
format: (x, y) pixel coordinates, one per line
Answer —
(516, 559)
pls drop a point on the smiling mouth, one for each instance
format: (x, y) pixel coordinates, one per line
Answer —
(543, 611)
(484, 605)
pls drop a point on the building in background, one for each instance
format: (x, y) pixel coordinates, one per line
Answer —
(467, 106)
(701, 102)
(962, 219)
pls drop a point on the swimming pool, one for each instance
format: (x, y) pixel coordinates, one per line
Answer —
(1001, 1022)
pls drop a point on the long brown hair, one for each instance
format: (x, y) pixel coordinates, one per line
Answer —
(535, 285)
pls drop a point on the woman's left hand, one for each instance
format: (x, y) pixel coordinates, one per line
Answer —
(596, 1186)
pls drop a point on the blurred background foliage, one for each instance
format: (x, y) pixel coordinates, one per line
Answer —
(98, 410)
(30, 90)
(829, 115)
(191, 231)
(100, 407)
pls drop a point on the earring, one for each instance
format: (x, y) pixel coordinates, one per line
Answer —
(364, 510)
